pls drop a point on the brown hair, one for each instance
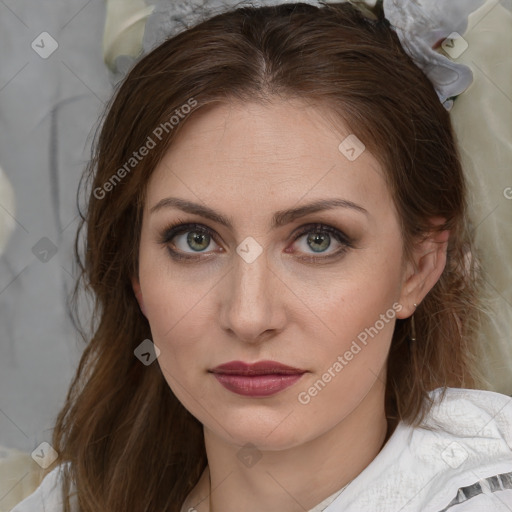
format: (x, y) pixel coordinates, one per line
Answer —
(130, 443)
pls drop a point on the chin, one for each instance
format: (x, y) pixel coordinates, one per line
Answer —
(265, 430)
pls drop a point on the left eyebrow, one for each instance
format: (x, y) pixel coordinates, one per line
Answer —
(280, 218)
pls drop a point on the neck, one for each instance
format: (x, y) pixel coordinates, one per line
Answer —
(298, 478)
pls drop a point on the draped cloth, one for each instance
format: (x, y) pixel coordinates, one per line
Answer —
(482, 120)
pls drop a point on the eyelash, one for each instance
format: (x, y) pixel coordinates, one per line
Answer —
(179, 227)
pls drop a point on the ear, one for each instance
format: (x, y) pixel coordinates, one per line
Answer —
(138, 294)
(421, 274)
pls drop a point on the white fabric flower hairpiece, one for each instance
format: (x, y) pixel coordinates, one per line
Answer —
(421, 26)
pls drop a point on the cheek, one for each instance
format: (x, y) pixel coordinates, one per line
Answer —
(361, 325)
(170, 292)
(175, 311)
(349, 362)
(358, 316)
(354, 296)
(176, 302)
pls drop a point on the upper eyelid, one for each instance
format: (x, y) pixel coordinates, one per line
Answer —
(184, 226)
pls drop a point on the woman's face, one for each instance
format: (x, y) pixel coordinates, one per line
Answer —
(318, 290)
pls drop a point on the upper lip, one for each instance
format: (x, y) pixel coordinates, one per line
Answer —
(258, 368)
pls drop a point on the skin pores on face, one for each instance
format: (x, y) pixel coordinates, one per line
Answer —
(247, 162)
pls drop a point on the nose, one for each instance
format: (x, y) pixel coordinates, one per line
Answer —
(251, 309)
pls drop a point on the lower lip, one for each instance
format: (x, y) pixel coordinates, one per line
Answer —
(257, 385)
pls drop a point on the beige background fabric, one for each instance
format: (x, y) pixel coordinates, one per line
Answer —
(482, 118)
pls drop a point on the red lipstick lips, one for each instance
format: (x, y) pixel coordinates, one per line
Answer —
(264, 378)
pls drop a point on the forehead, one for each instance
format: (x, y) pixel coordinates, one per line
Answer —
(280, 130)
(287, 151)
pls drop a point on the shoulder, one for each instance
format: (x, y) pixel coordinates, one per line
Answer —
(466, 440)
(479, 420)
(452, 406)
(465, 429)
(47, 497)
(458, 460)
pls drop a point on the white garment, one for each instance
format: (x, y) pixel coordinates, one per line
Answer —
(451, 463)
